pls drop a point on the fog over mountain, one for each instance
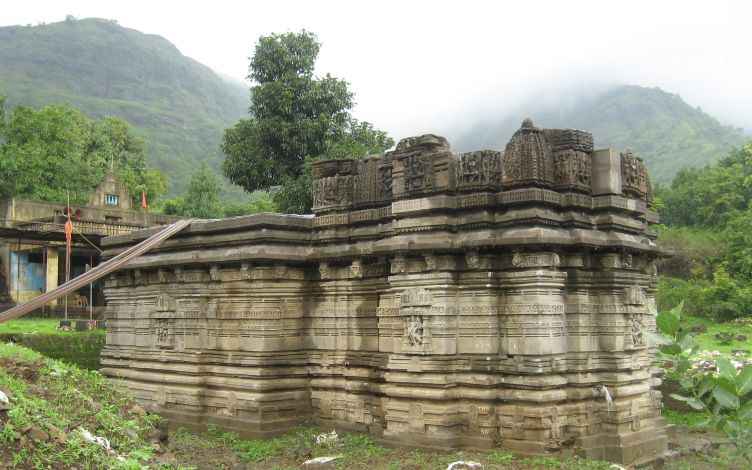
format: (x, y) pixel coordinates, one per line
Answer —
(667, 132)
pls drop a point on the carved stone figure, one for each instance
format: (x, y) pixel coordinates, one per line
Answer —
(162, 333)
(555, 434)
(326, 271)
(430, 262)
(627, 260)
(635, 179)
(245, 270)
(472, 258)
(418, 172)
(414, 330)
(356, 269)
(385, 181)
(636, 330)
(398, 264)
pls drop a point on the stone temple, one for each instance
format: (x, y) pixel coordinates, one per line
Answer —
(433, 299)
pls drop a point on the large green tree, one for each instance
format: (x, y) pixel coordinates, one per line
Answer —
(202, 196)
(294, 117)
(55, 152)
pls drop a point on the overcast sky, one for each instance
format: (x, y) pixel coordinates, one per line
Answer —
(432, 66)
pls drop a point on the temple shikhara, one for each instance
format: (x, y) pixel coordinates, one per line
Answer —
(433, 299)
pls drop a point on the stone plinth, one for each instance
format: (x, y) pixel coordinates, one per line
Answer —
(433, 299)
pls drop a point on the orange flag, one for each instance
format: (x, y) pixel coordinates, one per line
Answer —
(143, 199)
(68, 230)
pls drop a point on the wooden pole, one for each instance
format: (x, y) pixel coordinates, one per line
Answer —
(44, 266)
(67, 260)
(91, 289)
(18, 272)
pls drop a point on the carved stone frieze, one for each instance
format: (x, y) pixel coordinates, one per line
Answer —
(334, 192)
(535, 260)
(572, 170)
(479, 170)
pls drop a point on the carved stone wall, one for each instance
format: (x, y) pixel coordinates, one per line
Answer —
(481, 299)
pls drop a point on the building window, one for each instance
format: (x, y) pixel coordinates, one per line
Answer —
(111, 199)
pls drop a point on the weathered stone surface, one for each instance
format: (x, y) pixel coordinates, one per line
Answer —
(438, 299)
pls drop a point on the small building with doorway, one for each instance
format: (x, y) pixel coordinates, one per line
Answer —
(32, 240)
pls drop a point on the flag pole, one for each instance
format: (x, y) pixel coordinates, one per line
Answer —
(68, 235)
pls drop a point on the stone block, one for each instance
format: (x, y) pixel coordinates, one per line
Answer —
(606, 172)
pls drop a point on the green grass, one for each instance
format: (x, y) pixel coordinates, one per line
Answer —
(39, 325)
(708, 341)
(690, 420)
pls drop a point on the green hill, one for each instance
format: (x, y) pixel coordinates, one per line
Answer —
(179, 105)
(659, 126)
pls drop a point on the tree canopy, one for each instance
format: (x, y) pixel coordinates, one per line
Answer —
(295, 117)
(202, 196)
(55, 151)
(712, 196)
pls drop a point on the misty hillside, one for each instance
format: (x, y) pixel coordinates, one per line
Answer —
(179, 105)
(663, 129)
